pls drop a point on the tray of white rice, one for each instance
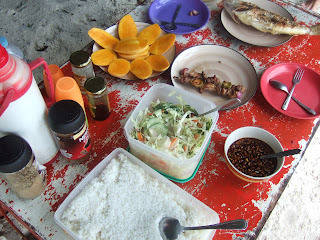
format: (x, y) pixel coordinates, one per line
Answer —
(123, 198)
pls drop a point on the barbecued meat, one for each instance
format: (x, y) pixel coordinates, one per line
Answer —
(212, 84)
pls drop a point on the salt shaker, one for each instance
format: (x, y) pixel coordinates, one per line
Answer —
(82, 68)
(98, 98)
(67, 121)
(18, 166)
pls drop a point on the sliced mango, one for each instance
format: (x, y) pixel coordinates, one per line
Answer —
(131, 46)
(103, 38)
(131, 57)
(158, 63)
(127, 28)
(141, 68)
(119, 68)
(103, 57)
(150, 33)
(163, 44)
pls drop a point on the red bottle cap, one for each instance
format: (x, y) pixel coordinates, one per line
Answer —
(4, 56)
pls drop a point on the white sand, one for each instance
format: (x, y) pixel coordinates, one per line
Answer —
(297, 213)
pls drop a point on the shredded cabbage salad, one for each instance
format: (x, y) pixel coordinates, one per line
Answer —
(172, 128)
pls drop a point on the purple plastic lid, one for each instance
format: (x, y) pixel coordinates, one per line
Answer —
(163, 10)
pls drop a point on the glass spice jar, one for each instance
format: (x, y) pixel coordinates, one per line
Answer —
(82, 67)
(98, 98)
(18, 166)
(68, 123)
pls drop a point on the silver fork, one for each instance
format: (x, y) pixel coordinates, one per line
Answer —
(296, 79)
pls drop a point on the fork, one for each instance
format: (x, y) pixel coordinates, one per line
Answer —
(296, 79)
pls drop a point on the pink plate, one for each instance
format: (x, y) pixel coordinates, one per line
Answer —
(307, 91)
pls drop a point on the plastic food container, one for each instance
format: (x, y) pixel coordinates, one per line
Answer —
(210, 214)
(179, 169)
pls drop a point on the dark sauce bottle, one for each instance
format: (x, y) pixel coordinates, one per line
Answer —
(98, 98)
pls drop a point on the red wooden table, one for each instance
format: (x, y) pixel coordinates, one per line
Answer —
(214, 184)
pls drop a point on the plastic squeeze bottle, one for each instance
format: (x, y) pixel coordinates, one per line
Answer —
(23, 111)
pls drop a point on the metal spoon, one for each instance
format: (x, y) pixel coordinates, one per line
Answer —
(170, 228)
(281, 86)
(177, 23)
(225, 104)
(172, 26)
(282, 154)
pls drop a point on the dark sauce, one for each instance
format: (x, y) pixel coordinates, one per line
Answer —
(101, 112)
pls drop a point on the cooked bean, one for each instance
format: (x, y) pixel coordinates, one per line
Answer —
(245, 156)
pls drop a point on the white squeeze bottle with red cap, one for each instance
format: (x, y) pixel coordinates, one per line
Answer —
(23, 110)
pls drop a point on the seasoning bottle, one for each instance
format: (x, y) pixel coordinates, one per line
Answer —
(18, 166)
(82, 67)
(68, 123)
(98, 98)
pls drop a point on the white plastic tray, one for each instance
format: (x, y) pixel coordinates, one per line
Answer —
(212, 216)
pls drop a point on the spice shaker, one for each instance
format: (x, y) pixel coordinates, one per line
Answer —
(98, 98)
(68, 123)
(18, 166)
(82, 67)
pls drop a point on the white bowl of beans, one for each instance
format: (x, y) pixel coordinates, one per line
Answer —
(243, 148)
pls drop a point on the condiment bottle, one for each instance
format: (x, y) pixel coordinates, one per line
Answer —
(98, 98)
(23, 109)
(25, 176)
(68, 123)
(82, 67)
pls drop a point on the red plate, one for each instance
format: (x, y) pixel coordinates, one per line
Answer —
(307, 91)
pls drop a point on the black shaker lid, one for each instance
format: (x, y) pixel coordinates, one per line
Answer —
(15, 153)
(66, 116)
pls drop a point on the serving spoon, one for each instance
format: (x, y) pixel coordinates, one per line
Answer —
(170, 228)
(281, 86)
(225, 104)
(172, 26)
(282, 154)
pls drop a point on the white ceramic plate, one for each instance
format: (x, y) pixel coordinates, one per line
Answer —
(251, 35)
(113, 30)
(225, 63)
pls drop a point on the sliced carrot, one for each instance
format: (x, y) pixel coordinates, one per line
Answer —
(140, 137)
(195, 120)
(196, 136)
(199, 125)
(185, 148)
(173, 143)
(150, 114)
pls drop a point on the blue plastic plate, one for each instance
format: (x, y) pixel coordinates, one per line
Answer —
(163, 10)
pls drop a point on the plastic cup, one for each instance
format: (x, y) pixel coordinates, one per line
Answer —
(68, 89)
(56, 74)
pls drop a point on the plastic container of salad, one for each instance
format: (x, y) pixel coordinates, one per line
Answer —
(176, 168)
